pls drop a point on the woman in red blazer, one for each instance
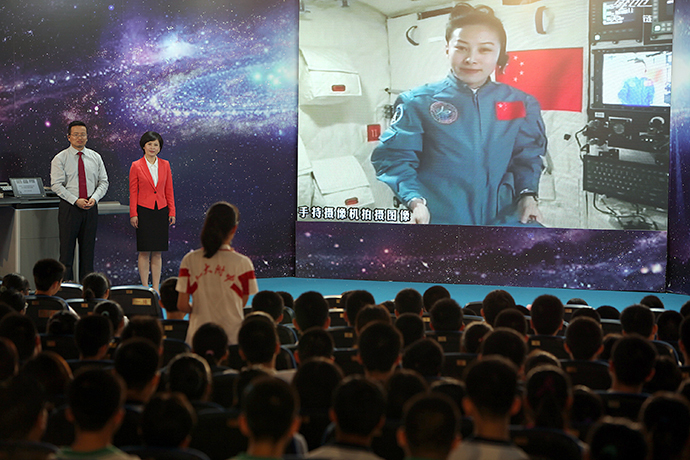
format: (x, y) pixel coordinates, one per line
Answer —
(151, 206)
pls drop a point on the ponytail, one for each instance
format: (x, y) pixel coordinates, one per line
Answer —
(221, 218)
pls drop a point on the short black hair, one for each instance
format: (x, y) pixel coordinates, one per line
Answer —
(268, 302)
(315, 342)
(547, 314)
(169, 294)
(13, 298)
(666, 418)
(668, 326)
(210, 341)
(111, 310)
(379, 346)
(633, 359)
(315, 381)
(311, 309)
(425, 356)
(495, 302)
(168, 418)
(22, 332)
(136, 361)
(91, 333)
(608, 312)
(147, 327)
(537, 358)
(408, 300)
(359, 405)
(411, 326)
(258, 338)
(22, 399)
(47, 272)
(370, 313)
(62, 322)
(270, 406)
(355, 301)
(492, 384)
(189, 374)
(16, 281)
(638, 319)
(446, 315)
(434, 294)
(507, 343)
(400, 387)
(94, 396)
(288, 300)
(95, 285)
(73, 124)
(150, 136)
(587, 312)
(584, 338)
(430, 422)
(473, 336)
(617, 439)
(652, 301)
(512, 318)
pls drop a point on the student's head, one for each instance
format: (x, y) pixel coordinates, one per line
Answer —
(549, 397)
(167, 420)
(425, 356)
(495, 302)
(411, 326)
(446, 315)
(359, 406)
(586, 312)
(62, 322)
(430, 426)
(169, 294)
(491, 384)
(355, 301)
(633, 360)
(22, 332)
(400, 387)
(269, 411)
(652, 301)
(95, 398)
(315, 342)
(151, 136)
(583, 338)
(311, 309)
(512, 318)
(408, 301)
(288, 300)
(451, 387)
(258, 339)
(95, 286)
(475, 43)
(147, 327)
(190, 375)
(507, 343)
(666, 418)
(220, 225)
(9, 359)
(52, 371)
(608, 312)
(268, 302)
(13, 299)
(48, 275)
(136, 361)
(473, 336)
(547, 314)
(668, 326)
(379, 347)
(667, 375)
(242, 382)
(93, 335)
(210, 341)
(16, 281)
(22, 405)
(315, 382)
(638, 319)
(113, 311)
(576, 301)
(538, 358)
(434, 294)
(617, 439)
(370, 313)
(76, 134)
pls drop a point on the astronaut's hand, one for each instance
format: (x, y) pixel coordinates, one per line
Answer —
(528, 210)
(420, 213)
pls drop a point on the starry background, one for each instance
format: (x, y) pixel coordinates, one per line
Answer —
(217, 79)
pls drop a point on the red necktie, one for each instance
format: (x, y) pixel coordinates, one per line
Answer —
(82, 178)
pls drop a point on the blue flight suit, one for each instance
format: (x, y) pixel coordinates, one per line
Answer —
(637, 91)
(469, 154)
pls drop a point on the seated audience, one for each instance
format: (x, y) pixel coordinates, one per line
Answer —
(167, 421)
(408, 301)
(608, 312)
(668, 326)
(473, 336)
(13, 299)
(494, 303)
(631, 364)
(258, 341)
(506, 343)
(430, 427)
(512, 318)
(425, 357)
(638, 319)
(210, 342)
(48, 275)
(667, 376)
(652, 301)
(21, 331)
(311, 310)
(315, 342)
(434, 294)
(355, 301)
(446, 316)
(548, 398)
(583, 339)
(617, 439)
(95, 286)
(411, 327)
(113, 311)
(9, 359)
(400, 388)
(16, 281)
(539, 358)
(547, 315)
(62, 323)
(371, 313)
(586, 312)
(666, 420)
(51, 371)
(379, 347)
(146, 327)
(93, 335)
(168, 299)
(271, 303)
(190, 375)
(23, 411)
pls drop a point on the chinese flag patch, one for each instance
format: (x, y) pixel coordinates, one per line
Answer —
(510, 110)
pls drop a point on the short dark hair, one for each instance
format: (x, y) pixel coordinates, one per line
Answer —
(512, 318)
(586, 312)
(13, 298)
(584, 338)
(9, 359)
(62, 322)
(136, 361)
(548, 390)
(379, 346)
(617, 439)
(359, 405)
(315, 381)
(94, 396)
(147, 327)
(369, 314)
(666, 418)
(95, 285)
(258, 338)
(400, 387)
(495, 302)
(473, 336)
(150, 136)
(492, 385)
(311, 309)
(464, 14)
(547, 314)
(434, 294)
(270, 406)
(268, 302)
(111, 310)
(507, 343)
(47, 272)
(408, 300)
(52, 371)
(22, 332)
(210, 341)
(288, 300)
(668, 326)
(91, 333)
(425, 356)
(22, 399)
(16, 281)
(446, 315)
(169, 294)
(168, 418)
(73, 124)
(608, 312)
(633, 359)
(537, 358)
(652, 301)
(355, 301)
(638, 319)
(189, 374)
(430, 422)
(411, 326)
(315, 342)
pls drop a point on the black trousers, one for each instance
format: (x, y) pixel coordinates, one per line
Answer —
(77, 225)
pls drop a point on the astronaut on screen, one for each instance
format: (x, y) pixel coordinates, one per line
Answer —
(466, 150)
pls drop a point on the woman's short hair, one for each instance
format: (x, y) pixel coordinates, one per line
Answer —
(150, 136)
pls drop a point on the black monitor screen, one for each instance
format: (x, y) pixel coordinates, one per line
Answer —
(665, 10)
(636, 78)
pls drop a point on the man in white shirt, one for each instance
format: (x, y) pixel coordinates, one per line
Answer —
(78, 176)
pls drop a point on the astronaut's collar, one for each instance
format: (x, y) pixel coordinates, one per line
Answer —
(462, 85)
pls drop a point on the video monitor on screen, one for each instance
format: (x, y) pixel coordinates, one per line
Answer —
(636, 78)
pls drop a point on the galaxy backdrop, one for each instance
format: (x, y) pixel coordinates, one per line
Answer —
(217, 79)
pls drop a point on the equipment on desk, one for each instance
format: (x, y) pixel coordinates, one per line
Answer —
(28, 187)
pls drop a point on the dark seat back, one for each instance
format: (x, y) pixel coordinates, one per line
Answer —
(550, 343)
(175, 328)
(593, 374)
(63, 345)
(40, 308)
(70, 291)
(343, 336)
(456, 363)
(546, 443)
(449, 340)
(137, 300)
